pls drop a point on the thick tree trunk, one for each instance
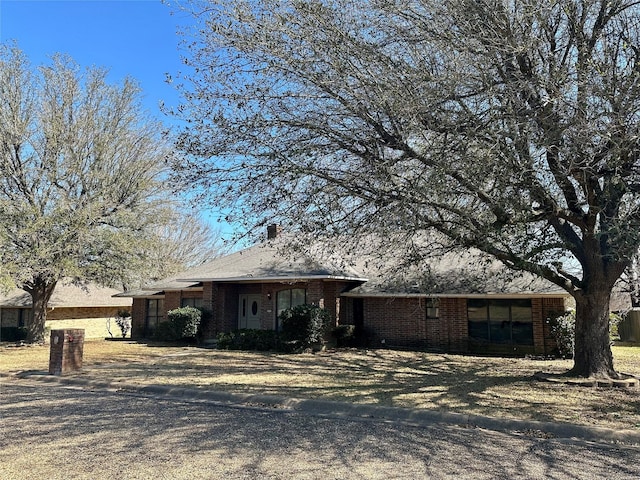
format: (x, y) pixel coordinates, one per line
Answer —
(40, 290)
(593, 357)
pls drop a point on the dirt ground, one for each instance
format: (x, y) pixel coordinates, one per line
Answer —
(493, 386)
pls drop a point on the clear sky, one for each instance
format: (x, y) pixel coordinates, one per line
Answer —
(134, 38)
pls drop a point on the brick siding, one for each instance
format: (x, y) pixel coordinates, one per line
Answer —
(402, 322)
(138, 314)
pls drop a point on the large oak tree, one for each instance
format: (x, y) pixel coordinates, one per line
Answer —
(507, 125)
(80, 171)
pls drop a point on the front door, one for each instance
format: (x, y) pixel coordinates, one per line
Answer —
(249, 312)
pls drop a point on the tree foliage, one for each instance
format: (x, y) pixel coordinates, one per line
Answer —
(80, 171)
(506, 125)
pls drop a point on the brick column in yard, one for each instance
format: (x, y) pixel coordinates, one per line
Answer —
(65, 354)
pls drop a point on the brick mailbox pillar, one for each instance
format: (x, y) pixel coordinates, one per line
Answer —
(65, 354)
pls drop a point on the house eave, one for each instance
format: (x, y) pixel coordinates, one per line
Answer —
(454, 295)
(273, 279)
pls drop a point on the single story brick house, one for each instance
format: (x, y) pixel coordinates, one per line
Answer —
(449, 310)
(71, 306)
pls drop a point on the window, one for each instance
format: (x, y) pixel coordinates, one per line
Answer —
(155, 310)
(13, 317)
(500, 321)
(191, 302)
(432, 308)
(289, 298)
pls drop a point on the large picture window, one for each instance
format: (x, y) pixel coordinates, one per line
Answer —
(155, 308)
(289, 298)
(500, 321)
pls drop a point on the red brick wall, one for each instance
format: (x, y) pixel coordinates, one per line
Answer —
(138, 314)
(171, 301)
(449, 332)
(402, 322)
(396, 321)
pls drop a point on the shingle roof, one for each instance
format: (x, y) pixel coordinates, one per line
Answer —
(263, 262)
(453, 273)
(69, 295)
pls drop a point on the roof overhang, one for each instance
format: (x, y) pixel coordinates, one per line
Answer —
(455, 295)
(273, 279)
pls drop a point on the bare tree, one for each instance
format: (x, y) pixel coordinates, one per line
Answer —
(510, 126)
(186, 241)
(80, 187)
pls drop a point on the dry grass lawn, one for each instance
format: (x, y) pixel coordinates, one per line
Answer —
(501, 387)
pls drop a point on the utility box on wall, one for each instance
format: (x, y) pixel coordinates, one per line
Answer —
(65, 354)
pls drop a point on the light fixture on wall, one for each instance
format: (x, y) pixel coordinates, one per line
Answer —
(269, 295)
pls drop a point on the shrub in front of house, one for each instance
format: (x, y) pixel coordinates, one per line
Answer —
(123, 320)
(13, 334)
(305, 326)
(345, 335)
(246, 339)
(182, 324)
(563, 328)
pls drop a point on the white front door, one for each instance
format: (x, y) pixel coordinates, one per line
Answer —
(249, 312)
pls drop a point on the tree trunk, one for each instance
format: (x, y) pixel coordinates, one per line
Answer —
(40, 290)
(593, 357)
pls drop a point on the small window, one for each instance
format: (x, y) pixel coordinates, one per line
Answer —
(11, 317)
(432, 308)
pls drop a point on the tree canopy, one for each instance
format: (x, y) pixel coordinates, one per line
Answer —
(507, 125)
(80, 178)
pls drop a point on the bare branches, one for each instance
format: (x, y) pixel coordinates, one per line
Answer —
(489, 121)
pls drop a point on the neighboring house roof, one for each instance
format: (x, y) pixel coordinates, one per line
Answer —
(68, 295)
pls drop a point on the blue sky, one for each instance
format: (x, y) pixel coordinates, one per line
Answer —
(135, 38)
(129, 37)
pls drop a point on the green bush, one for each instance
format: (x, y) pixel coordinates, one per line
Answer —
(563, 330)
(614, 323)
(13, 334)
(305, 325)
(182, 323)
(345, 335)
(245, 339)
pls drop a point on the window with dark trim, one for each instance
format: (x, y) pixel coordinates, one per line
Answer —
(191, 302)
(14, 317)
(500, 321)
(155, 308)
(432, 306)
(289, 298)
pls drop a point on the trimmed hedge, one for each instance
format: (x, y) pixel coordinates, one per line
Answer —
(182, 323)
(305, 325)
(13, 334)
(245, 339)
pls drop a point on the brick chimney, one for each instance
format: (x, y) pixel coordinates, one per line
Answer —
(273, 231)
